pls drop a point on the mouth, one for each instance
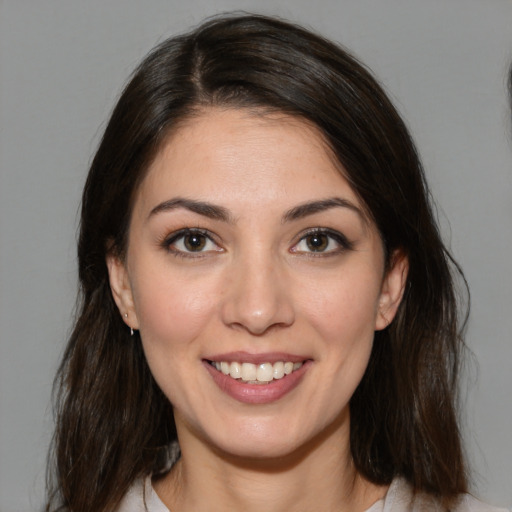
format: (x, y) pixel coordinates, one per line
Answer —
(257, 378)
(256, 374)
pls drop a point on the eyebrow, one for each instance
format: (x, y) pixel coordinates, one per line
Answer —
(303, 210)
(220, 213)
(204, 208)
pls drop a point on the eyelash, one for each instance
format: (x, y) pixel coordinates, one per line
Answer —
(169, 241)
(343, 243)
(341, 240)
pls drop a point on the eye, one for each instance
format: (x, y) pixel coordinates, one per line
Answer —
(322, 241)
(189, 241)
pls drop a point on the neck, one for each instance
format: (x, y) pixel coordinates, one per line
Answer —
(320, 476)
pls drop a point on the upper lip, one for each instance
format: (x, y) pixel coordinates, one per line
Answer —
(248, 357)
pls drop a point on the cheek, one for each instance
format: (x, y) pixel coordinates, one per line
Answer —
(172, 309)
(173, 312)
(344, 317)
(343, 309)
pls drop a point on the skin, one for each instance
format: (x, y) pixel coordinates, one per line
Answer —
(257, 285)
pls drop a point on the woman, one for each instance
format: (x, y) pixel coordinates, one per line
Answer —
(268, 316)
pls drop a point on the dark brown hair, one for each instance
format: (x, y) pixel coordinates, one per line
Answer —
(113, 422)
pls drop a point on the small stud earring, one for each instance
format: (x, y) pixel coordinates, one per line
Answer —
(131, 328)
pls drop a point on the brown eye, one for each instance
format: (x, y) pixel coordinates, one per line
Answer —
(194, 242)
(191, 242)
(322, 242)
(317, 242)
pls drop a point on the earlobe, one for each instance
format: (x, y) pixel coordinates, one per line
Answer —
(392, 291)
(121, 290)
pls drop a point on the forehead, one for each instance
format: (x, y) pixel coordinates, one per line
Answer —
(237, 156)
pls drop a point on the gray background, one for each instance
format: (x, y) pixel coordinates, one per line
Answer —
(62, 64)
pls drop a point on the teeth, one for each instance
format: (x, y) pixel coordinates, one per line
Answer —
(265, 372)
(235, 371)
(278, 370)
(256, 374)
(249, 371)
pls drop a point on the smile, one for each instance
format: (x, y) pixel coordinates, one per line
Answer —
(250, 373)
(257, 378)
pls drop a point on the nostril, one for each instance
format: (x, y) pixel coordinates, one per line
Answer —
(256, 299)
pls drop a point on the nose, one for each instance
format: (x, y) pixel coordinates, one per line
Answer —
(257, 296)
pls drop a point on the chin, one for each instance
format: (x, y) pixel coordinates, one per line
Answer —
(257, 442)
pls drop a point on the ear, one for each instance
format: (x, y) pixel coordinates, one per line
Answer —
(122, 290)
(392, 290)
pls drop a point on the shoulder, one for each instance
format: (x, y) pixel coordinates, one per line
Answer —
(141, 498)
(401, 498)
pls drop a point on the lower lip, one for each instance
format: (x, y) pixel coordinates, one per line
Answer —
(257, 393)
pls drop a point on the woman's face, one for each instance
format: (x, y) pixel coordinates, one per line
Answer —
(256, 281)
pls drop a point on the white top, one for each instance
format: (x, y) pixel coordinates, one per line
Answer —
(399, 498)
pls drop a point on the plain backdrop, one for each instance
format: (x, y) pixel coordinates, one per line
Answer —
(63, 63)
